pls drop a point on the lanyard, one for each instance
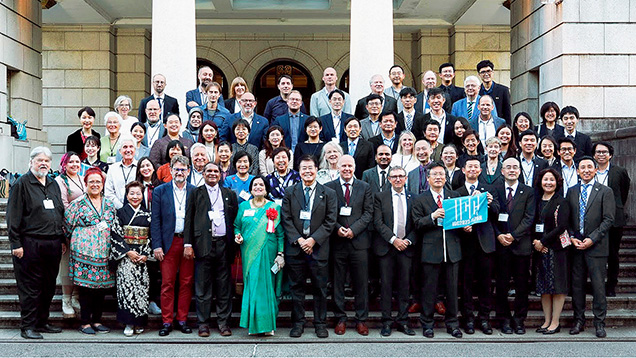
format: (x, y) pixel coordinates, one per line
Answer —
(111, 145)
(528, 175)
(179, 201)
(124, 173)
(80, 185)
(156, 132)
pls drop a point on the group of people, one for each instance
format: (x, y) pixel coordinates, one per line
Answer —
(330, 196)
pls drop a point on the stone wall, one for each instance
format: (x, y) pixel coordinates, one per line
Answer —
(133, 64)
(20, 79)
(430, 49)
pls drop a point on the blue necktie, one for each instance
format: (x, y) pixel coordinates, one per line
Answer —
(409, 121)
(582, 205)
(352, 148)
(307, 200)
(472, 189)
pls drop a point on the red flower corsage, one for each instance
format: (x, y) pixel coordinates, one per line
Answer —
(272, 214)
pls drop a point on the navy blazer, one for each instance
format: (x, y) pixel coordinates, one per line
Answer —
(328, 131)
(542, 131)
(258, 130)
(163, 216)
(520, 218)
(283, 122)
(194, 95)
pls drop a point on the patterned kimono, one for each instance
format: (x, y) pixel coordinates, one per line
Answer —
(131, 231)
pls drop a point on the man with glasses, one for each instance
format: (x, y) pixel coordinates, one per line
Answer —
(278, 106)
(258, 124)
(567, 167)
(293, 121)
(333, 122)
(370, 126)
(396, 75)
(468, 106)
(499, 93)
(388, 103)
(155, 129)
(166, 103)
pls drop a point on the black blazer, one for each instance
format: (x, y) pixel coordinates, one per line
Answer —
(389, 104)
(361, 203)
(542, 131)
(485, 232)
(431, 233)
(583, 145)
(324, 214)
(501, 96)
(618, 180)
(74, 142)
(377, 141)
(455, 93)
(520, 219)
(449, 130)
(170, 105)
(599, 217)
(539, 165)
(401, 121)
(197, 229)
(552, 229)
(383, 219)
(364, 155)
(421, 102)
(229, 104)
(373, 179)
(456, 181)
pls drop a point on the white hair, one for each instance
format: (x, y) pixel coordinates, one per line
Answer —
(473, 79)
(198, 145)
(112, 115)
(120, 99)
(41, 150)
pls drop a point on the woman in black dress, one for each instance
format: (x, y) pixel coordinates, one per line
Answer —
(313, 145)
(551, 218)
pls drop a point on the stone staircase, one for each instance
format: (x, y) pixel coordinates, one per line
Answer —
(621, 309)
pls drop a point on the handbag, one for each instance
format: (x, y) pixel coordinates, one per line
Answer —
(565, 237)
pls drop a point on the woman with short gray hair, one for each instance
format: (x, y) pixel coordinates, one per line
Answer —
(123, 106)
(110, 142)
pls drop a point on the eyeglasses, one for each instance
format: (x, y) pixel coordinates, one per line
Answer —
(485, 72)
(397, 176)
(569, 149)
(602, 152)
(94, 182)
(180, 170)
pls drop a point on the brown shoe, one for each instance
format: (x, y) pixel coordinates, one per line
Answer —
(204, 330)
(225, 331)
(440, 308)
(362, 329)
(415, 308)
(341, 328)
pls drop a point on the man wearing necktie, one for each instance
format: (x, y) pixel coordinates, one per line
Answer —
(167, 104)
(570, 117)
(357, 147)
(592, 209)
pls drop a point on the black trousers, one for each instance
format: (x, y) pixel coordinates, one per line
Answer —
(212, 275)
(395, 270)
(299, 267)
(346, 256)
(92, 304)
(582, 265)
(35, 274)
(431, 274)
(615, 237)
(509, 265)
(154, 273)
(477, 266)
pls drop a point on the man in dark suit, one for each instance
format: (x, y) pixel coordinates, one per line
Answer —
(436, 102)
(478, 246)
(570, 118)
(311, 210)
(388, 136)
(208, 233)
(618, 180)
(447, 74)
(441, 252)
(592, 211)
(333, 122)
(389, 104)
(417, 178)
(359, 148)
(258, 124)
(531, 165)
(293, 122)
(167, 104)
(169, 203)
(350, 242)
(408, 116)
(197, 97)
(429, 81)
(514, 245)
(377, 177)
(566, 165)
(499, 93)
(393, 244)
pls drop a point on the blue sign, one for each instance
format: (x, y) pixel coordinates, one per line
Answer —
(465, 211)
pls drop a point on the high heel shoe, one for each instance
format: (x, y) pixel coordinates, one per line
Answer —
(553, 331)
(542, 329)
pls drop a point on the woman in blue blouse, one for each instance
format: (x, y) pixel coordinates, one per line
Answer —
(240, 182)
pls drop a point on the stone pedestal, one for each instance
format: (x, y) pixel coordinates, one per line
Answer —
(371, 46)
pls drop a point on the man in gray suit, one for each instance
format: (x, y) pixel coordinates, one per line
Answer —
(371, 124)
(592, 210)
(417, 182)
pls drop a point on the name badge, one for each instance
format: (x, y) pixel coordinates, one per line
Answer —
(278, 202)
(48, 204)
(111, 160)
(503, 217)
(305, 215)
(102, 225)
(249, 212)
(275, 268)
(245, 195)
(345, 211)
(214, 215)
(538, 228)
(440, 222)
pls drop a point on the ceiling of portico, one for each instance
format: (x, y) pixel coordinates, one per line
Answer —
(281, 15)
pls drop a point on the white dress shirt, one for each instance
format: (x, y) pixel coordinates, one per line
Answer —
(486, 129)
(442, 123)
(570, 176)
(116, 179)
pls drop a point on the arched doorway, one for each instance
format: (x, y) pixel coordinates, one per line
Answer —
(344, 81)
(265, 86)
(219, 76)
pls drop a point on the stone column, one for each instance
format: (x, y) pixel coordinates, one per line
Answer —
(371, 46)
(174, 47)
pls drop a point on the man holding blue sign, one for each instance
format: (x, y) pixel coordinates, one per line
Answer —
(441, 251)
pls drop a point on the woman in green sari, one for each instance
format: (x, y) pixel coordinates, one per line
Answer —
(258, 230)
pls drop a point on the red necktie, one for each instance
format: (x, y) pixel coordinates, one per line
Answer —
(439, 201)
(347, 195)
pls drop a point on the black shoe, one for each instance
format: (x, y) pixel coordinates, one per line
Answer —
(485, 327)
(610, 292)
(470, 327)
(386, 330)
(541, 329)
(455, 332)
(553, 331)
(404, 328)
(520, 328)
(428, 333)
(48, 328)
(296, 331)
(321, 332)
(30, 334)
(183, 328)
(165, 330)
(578, 328)
(600, 330)
(505, 327)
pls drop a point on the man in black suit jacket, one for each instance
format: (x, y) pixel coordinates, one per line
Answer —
(447, 74)
(388, 135)
(591, 243)
(436, 102)
(407, 117)
(378, 176)
(167, 104)
(531, 165)
(441, 252)
(570, 118)
(311, 210)
(618, 180)
(514, 245)
(208, 234)
(389, 104)
(478, 246)
(499, 93)
(429, 81)
(359, 148)
(350, 242)
(394, 246)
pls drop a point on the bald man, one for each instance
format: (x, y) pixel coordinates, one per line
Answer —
(319, 104)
